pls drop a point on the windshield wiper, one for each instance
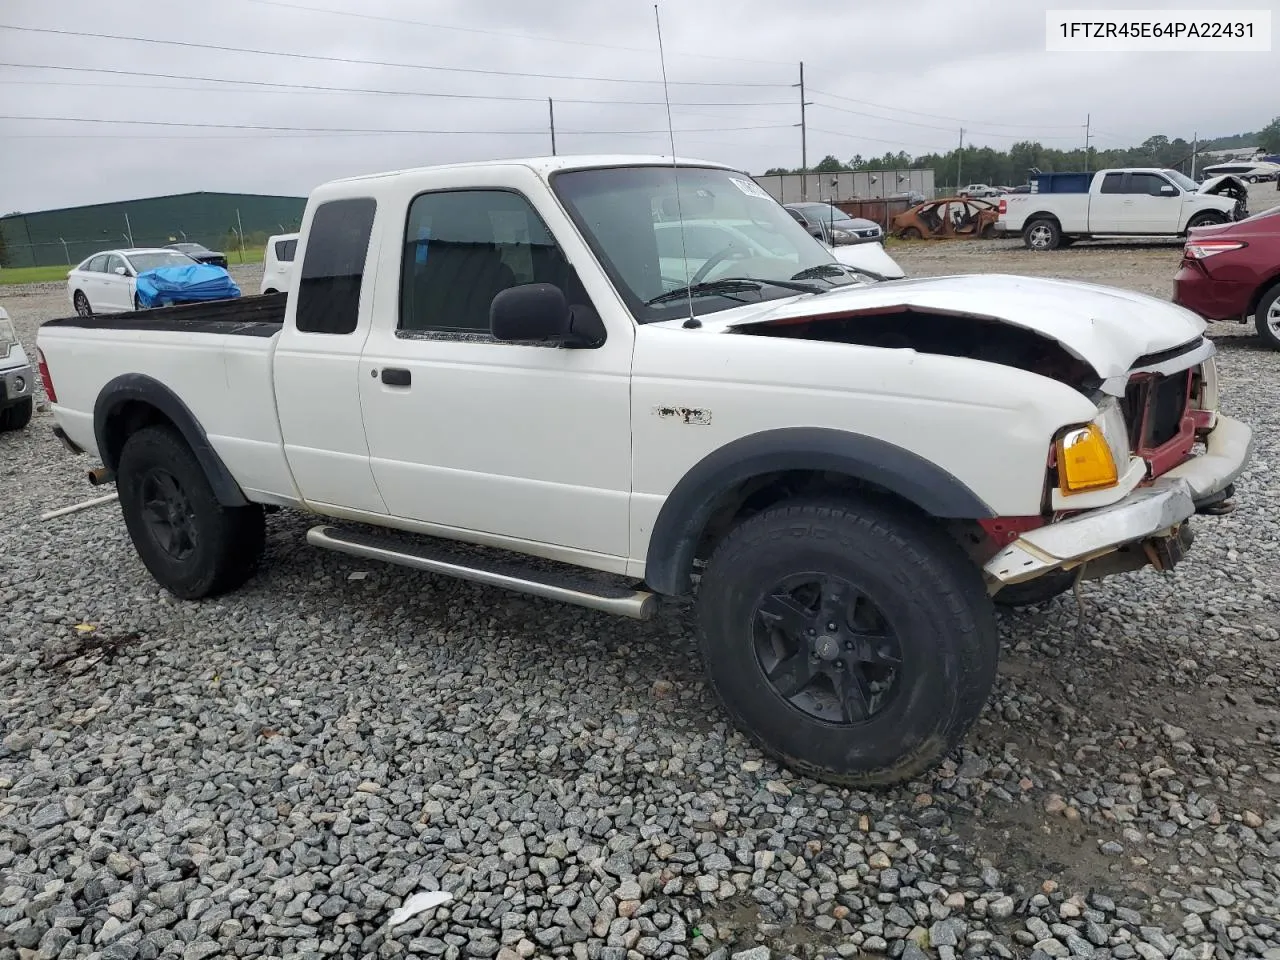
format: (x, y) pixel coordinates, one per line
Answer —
(824, 270)
(727, 284)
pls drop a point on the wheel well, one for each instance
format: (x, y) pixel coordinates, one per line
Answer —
(1262, 291)
(269, 291)
(733, 506)
(1034, 217)
(124, 421)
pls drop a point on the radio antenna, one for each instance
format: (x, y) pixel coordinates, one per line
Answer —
(692, 321)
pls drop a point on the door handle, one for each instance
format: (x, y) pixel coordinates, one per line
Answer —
(396, 377)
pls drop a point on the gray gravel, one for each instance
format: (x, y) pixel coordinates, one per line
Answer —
(272, 773)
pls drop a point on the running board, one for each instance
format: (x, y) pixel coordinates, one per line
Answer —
(437, 557)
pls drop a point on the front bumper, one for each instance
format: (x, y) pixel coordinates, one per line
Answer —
(16, 383)
(1151, 519)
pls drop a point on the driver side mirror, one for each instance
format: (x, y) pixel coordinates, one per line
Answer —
(1168, 190)
(530, 312)
(120, 272)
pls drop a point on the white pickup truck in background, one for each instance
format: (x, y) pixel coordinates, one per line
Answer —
(1137, 202)
(512, 356)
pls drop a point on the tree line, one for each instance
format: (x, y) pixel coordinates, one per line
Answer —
(988, 165)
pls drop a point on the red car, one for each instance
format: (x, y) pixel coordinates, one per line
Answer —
(1231, 271)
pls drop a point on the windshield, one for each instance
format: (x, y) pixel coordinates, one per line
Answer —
(142, 262)
(825, 211)
(1182, 180)
(632, 220)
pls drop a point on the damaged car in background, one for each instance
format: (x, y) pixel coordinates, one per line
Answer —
(847, 474)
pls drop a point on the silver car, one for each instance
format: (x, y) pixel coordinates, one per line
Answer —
(833, 226)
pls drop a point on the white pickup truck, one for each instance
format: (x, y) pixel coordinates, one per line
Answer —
(17, 379)
(847, 471)
(1134, 202)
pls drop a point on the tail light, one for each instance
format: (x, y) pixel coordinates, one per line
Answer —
(1004, 207)
(1202, 249)
(45, 377)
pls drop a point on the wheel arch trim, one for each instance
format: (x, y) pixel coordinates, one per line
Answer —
(684, 514)
(139, 388)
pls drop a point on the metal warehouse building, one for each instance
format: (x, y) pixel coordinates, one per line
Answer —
(67, 236)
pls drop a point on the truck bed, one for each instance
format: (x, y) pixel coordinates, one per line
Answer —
(254, 316)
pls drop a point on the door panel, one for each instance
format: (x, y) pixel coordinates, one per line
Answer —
(1109, 208)
(317, 360)
(1151, 212)
(527, 443)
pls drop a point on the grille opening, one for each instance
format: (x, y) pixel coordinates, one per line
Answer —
(1154, 407)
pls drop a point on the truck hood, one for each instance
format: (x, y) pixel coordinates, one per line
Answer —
(1106, 328)
(1225, 185)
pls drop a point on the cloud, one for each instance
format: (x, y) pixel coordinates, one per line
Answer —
(882, 76)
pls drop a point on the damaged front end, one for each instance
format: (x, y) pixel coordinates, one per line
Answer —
(1229, 186)
(1119, 491)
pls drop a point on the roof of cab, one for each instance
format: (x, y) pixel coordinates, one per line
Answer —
(545, 166)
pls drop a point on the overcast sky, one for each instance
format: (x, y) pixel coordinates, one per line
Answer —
(910, 73)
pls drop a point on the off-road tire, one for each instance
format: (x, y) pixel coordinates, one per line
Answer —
(17, 416)
(1270, 301)
(228, 541)
(926, 587)
(1206, 218)
(1042, 234)
(1040, 590)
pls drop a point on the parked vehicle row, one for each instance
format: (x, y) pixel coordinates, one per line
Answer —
(1256, 171)
(1064, 207)
(524, 355)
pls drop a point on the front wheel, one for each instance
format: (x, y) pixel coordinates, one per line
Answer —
(1267, 318)
(853, 643)
(1208, 219)
(81, 303)
(17, 416)
(190, 543)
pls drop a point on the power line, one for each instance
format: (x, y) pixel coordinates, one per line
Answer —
(379, 63)
(938, 116)
(506, 35)
(933, 126)
(319, 88)
(282, 129)
(858, 136)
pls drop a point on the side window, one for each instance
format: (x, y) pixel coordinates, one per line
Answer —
(1146, 183)
(462, 248)
(796, 215)
(98, 264)
(333, 270)
(285, 249)
(1112, 183)
(114, 261)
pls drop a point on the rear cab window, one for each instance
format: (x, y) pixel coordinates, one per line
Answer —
(334, 266)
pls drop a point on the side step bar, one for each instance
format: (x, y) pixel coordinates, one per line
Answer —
(437, 557)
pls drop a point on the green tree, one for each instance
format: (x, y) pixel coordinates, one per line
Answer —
(1269, 136)
(828, 164)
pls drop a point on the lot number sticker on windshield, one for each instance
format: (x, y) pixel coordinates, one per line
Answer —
(750, 188)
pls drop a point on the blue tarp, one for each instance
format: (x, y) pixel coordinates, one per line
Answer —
(199, 281)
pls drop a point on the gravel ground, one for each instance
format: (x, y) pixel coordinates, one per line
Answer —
(274, 772)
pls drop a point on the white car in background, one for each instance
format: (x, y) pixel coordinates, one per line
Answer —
(107, 281)
(723, 242)
(277, 263)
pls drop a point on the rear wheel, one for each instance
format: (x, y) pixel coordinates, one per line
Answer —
(17, 416)
(853, 643)
(1267, 317)
(1042, 235)
(190, 543)
(81, 303)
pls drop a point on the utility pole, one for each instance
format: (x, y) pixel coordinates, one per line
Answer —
(1087, 118)
(127, 228)
(804, 143)
(240, 230)
(959, 159)
(1195, 148)
(551, 109)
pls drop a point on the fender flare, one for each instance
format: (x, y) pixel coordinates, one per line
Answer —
(684, 514)
(137, 387)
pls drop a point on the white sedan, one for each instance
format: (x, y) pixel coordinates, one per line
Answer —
(106, 282)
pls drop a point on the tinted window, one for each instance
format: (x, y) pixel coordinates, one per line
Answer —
(113, 262)
(97, 264)
(463, 248)
(285, 249)
(333, 270)
(1148, 183)
(1112, 183)
(795, 214)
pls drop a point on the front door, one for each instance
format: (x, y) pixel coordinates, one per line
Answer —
(522, 445)
(1155, 203)
(117, 290)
